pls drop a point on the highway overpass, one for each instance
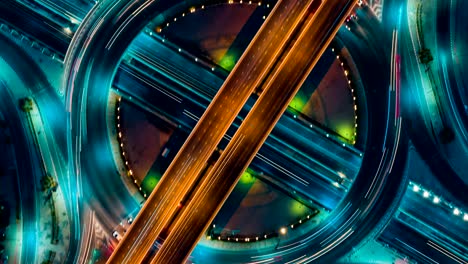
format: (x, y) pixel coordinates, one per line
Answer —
(278, 90)
(286, 19)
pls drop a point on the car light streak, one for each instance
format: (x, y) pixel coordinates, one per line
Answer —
(290, 245)
(446, 252)
(397, 88)
(124, 11)
(88, 238)
(147, 227)
(190, 115)
(371, 187)
(168, 94)
(282, 169)
(388, 118)
(329, 247)
(318, 232)
(174, 74)
(78, 33)
(296, 260)
(126, 22)
(95, 28)
(263, 261)
(396, 144)
(419, 252)
(343, 226)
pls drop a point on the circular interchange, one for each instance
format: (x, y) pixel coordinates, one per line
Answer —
(102, 40)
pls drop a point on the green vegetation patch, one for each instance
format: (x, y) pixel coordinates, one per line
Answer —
(299, 102)
(346, 130)
(247, 177)
(150, 181)
(229, 60)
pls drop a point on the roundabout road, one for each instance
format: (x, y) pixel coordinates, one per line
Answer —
(91, 62)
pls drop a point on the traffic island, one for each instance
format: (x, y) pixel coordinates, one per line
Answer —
(273, 217)
(54, 229)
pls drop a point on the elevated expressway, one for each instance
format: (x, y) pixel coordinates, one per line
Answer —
(286, 19)
(103, 38)
(197, 215)
(278, 90)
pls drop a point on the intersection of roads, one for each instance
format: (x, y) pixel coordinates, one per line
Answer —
(241, 119)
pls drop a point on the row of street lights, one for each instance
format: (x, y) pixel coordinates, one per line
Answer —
(254, 238)
(428, 194)
(123, 154)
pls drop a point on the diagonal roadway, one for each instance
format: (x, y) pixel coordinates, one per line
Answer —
(253, 67)
(279, 89)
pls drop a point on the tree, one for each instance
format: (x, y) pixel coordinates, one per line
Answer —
(26, 104)
(48, 183)
(425, 56)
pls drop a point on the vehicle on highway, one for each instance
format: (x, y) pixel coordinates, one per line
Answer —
(117, 235)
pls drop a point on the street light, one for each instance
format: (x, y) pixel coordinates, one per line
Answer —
(67, 30)
(283, 231)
